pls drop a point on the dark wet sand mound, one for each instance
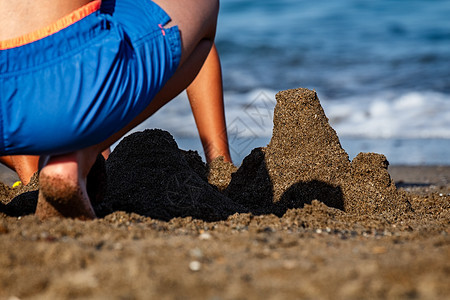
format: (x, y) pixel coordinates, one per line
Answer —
(149, 175)
(21, 200)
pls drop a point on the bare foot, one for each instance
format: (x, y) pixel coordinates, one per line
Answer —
(62, 193)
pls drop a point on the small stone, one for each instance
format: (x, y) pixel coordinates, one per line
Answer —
(195, 266)
(204, 236)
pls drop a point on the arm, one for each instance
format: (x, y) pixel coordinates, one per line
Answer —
(205, 95)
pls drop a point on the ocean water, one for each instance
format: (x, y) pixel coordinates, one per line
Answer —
(381, 69)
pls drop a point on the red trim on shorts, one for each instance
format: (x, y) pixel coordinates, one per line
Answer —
(60, 24)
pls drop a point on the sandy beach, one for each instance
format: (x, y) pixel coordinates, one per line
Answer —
(297, 220)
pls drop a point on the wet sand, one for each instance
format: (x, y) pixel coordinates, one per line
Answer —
(297, 220)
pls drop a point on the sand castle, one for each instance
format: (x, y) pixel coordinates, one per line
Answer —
(304, 161)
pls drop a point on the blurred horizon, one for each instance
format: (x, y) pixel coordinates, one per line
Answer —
(381, 70)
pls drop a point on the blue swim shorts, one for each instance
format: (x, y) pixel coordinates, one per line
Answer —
(82, 83)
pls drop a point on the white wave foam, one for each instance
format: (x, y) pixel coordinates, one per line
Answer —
(388, 115)
(391, 115)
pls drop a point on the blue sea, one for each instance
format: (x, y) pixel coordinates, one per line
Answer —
(381, 69)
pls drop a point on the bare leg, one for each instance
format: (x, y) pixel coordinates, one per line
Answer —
(26, 165)
(197, 22)
(18, 18)
(206, 98)
(63, 178)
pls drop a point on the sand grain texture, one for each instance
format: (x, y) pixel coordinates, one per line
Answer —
(297, 220)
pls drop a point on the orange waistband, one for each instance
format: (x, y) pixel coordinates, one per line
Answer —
(60, 24)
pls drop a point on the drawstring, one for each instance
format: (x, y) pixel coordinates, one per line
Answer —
(162, 30)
